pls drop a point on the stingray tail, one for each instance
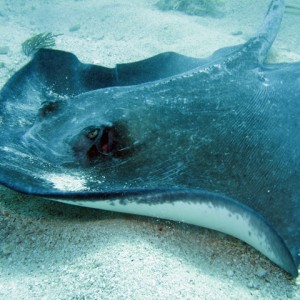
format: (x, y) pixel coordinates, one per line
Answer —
(262, 41)
(255, 50)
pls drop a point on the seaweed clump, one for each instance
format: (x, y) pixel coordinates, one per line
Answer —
(210, 8)
(41, 40)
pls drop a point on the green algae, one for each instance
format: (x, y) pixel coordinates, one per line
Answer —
(41, 40)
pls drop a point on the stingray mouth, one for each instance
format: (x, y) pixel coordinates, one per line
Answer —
(96, 143)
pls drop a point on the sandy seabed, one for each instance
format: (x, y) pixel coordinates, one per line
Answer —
(53, 251)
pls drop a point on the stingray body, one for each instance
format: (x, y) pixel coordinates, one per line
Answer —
(212, 142)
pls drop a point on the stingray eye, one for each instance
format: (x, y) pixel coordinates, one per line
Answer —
(93, 134)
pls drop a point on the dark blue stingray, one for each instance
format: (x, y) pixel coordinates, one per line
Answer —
(212, 142)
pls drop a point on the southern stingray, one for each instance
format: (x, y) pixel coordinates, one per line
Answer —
(212, 142)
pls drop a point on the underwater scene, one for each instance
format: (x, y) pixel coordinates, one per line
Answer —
(149, 149)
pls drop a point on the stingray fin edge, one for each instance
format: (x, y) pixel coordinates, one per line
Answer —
(200, 208)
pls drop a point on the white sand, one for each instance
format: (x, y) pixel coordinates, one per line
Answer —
(54, 251)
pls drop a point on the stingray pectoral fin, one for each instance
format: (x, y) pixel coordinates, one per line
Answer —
(203, 209)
